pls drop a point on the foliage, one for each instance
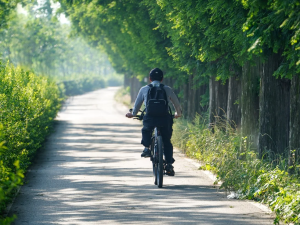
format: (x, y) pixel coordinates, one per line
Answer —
(126, 33)
(226, 154)
(204, 34)
(10, 178)
(39, 42)
(180, 135)
(28, 104)
(203, 37)
(82, 85)
(123, 96)
(274, 25)
(114, 80)
(43, 45)
(78, 84)
(6, 9)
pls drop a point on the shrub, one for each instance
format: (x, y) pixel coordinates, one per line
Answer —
(123, 96)
(28, 105)
(82, 85)
(114, 81)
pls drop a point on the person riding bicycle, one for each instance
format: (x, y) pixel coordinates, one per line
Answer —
(150, 121)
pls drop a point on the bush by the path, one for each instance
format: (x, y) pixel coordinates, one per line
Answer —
(224, 152)
(28, 105)
(82, 85)
(123, 96)
(114, 80)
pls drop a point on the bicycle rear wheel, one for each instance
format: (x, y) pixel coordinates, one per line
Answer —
(160, 165)
(154, 159)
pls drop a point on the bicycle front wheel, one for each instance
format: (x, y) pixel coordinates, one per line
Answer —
(160, 166)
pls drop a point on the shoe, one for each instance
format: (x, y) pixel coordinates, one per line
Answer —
(170, 170)
(146, 153)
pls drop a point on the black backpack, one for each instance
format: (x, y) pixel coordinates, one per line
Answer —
(157, 101)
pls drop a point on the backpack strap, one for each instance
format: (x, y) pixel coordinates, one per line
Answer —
(170, 110)
(166, 97)
(149, 91)
(165, 93)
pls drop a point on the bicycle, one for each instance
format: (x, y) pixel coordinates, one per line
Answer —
(157, 153)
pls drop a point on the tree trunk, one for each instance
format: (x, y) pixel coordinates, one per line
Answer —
(169, 82)
(191, 99)
(199, 93)
(294, 142)
(218, 94)
(234, 102)
(250, 102)
(185, 99)
(274, 110)
(127, 81)
(212, 101)
(135, 86)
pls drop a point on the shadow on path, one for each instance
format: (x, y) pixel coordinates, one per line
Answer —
(92, 173)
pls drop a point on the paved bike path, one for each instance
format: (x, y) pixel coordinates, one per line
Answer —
(90, 172)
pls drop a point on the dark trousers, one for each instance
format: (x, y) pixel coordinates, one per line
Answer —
(165, 124)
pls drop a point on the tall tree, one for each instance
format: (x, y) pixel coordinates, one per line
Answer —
(39, 42)
(6, 9)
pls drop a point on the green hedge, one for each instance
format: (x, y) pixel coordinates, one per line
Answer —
(28, 105)
(82, 85)
(224, 151)
(114, 81)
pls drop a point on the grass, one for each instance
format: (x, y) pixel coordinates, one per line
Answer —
(224, 152)
(123, 96)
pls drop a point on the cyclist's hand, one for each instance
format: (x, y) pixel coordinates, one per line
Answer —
(129, 115)
(176, 116)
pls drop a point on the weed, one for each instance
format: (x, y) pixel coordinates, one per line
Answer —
(222, 150)
(123, 96)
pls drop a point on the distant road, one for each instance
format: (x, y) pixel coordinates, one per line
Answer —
(90, 172)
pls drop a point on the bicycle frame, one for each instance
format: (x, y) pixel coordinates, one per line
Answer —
(157, 153)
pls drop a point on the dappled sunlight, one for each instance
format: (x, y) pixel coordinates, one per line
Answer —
(91, 172)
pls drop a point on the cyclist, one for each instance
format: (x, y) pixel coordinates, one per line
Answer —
(165, 122)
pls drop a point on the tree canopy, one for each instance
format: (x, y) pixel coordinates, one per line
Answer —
(211, 37)
(39, 42)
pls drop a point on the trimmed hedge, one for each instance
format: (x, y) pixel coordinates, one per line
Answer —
(28, 105)
(114, 81)
(83, 85)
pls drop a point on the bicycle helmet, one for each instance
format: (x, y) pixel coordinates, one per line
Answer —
(156, 74)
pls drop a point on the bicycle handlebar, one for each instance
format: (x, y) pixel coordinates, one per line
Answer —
(140, 117)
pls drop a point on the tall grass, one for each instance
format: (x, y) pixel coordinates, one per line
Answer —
(223, 151)
(123, 96)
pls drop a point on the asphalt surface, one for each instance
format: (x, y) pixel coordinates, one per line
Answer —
(90, 172)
